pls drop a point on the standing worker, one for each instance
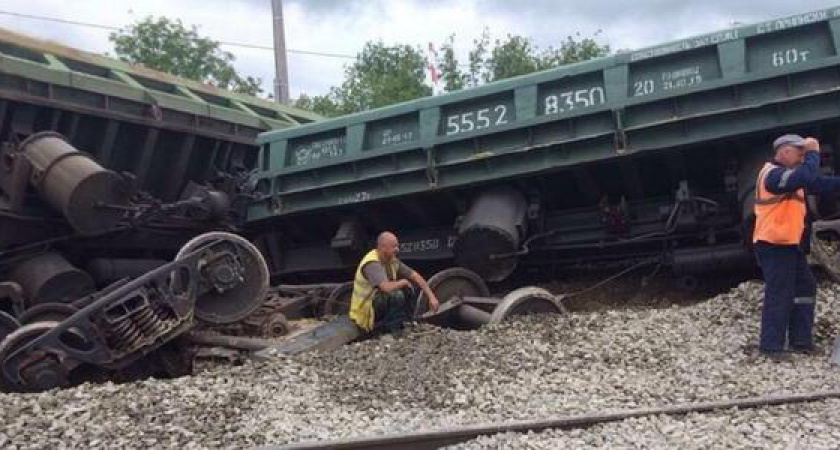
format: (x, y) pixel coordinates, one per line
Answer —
(379, 302)
(782, 239)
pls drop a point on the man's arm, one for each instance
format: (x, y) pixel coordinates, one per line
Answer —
(824, 185)
(420, 281)
(404, 271)
(375, 274)
(388, 286)
(782, 181)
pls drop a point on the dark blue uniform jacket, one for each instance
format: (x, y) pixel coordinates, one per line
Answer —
(781, 180)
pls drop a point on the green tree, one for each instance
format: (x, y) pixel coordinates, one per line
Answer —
(451, 75)
(169, 46)
(515, 55)
(572, 50)
(511, 57)
(380, 76)
(324, 105)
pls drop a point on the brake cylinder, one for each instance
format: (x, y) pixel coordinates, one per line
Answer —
(490, 233)
(49, 278)
(73, 184)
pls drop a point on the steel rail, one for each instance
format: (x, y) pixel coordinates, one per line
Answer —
(433, 439)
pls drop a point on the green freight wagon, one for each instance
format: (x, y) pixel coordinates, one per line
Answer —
(108, 172)
(168, 136)
(646, 154)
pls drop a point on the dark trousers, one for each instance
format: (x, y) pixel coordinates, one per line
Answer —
(789, 293)
(391, 311)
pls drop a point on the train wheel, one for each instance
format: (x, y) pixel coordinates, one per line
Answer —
(235, 276)
(451, 283)
(8, 324)
(35, 371)
(526, 300)
(338, 303)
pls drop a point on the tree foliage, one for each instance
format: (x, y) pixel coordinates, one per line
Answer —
(381, 75)
(509, 57)
(169, 46)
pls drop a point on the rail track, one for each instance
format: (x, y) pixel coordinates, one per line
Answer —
(434, 439)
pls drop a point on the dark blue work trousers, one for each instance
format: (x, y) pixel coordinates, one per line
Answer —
(391, 311)
(789, 294)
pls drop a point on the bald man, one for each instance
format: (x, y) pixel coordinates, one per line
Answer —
(380, 301)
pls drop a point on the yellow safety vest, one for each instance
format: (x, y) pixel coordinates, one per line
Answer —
(361, 304)
(779, 219)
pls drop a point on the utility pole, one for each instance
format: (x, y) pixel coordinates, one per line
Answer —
(281, 77)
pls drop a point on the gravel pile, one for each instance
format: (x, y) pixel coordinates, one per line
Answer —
(431, 378)
(811, 426)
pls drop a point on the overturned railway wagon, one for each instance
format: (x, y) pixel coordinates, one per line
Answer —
(108, 173)
(646, 154)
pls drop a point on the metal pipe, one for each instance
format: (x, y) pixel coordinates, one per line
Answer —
(450, 436)
(705, 259)
(473, 316)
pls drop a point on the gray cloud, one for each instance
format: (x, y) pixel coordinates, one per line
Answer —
(343, 26)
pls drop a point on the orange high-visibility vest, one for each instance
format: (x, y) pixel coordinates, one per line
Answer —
(779, 219)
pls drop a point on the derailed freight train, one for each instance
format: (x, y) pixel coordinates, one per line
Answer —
(119, 190)
(647, 154)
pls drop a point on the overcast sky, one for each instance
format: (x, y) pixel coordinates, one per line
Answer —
(343, 26)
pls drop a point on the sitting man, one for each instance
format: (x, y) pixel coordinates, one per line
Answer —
(379, 303)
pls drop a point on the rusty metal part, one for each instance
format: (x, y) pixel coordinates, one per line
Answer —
(293, 305)
(434, 439)
(338, 302)
(450, 283)
(49, 278)
(11, 298)
(89, 196)
(230, 356)
(37, 370)
(275, 325)
(304, 300)
(327, 336)
(234, 278)
(227, 341)
(47, 312)
(527, 300)
(207, 204)
(8, 324)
